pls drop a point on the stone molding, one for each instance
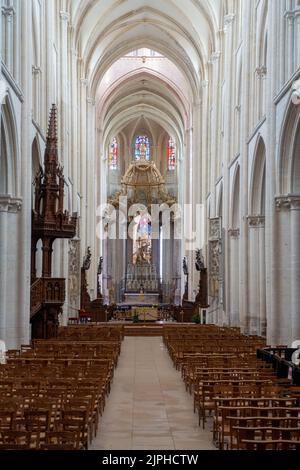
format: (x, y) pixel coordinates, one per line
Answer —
(8, 11)
(234, 232)
(36, 70)
(291, 15)
(214, 57)
(261, 72)
(10, 204)
(289, 202)
(256, 221)
(228, 20)
(64, 16)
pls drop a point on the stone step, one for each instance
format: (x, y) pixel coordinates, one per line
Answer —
(143, 330)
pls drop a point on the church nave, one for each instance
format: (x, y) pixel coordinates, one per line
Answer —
(148, 407)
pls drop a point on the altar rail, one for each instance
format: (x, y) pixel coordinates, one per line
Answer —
(280, 358)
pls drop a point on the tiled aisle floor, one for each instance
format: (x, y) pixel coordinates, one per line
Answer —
(148, 407)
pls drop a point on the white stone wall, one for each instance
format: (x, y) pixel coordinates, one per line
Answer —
(228, 93)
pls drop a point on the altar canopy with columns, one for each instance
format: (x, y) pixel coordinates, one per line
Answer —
(144, 252)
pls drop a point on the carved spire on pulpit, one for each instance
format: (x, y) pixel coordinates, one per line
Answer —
(49, 216)
(49, 222)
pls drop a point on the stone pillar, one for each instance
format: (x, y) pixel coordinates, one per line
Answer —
(247, 40)
(8, 205)
(62, 248)
(233, 314)
(297, 36)
(214, 62)
(285, 269)
(257, 288)
(36, 77)
(232, 241)
(3, 265)
(276, 70)
(91, 191)
(290, 43)
(9, 14)
(262, 331)
(22, 324)
(295, 266)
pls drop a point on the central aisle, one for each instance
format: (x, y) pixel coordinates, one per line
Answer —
(148, 407)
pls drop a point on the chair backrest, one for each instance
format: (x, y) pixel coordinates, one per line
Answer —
(2, 352)
(296, 357)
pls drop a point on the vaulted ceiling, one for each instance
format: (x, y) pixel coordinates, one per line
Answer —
(184, 32)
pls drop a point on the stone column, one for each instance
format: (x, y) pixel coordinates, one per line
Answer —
(3, 264)
(296, 38)
(36, 77)
(232, 241)
(9, 14)
(290, 16)
(247, 40)
(214, 62)
(295, 266)
(62, 250)
(8, 205)
(22, 323)
(285, 264)
(257, 288)
(262, 277)
(233, 313)
(91, 190)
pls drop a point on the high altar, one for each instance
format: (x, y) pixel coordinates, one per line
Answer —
(144, 262)
(146, 313)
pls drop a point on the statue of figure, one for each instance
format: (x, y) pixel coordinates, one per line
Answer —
(185, 267)
(142, 255)
(100, 265)
(99, 272)
(87, 259)
(199, 261)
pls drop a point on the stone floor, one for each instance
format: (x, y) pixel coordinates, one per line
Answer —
(148, 407)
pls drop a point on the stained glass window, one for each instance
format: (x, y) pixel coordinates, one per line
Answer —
(114, 155)
(171, 155)
(142, 147)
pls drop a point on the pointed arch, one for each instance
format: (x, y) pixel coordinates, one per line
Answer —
(288, 159)
(8, 149)
(258, 177)
(296, 162)
(235, 199)
(220, 202)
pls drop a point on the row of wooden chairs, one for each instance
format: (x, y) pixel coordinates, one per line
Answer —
(52, 393)
(230, 384)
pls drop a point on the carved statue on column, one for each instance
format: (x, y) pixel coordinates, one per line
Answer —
(202, 296)
(87, 259)
(99, 272)
(186, 273)
(85, 299)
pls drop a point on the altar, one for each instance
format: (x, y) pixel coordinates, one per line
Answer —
(141, 299)
(146, 313)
